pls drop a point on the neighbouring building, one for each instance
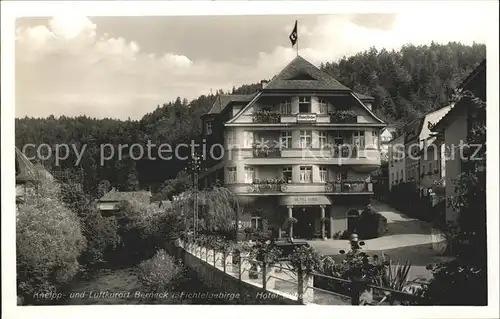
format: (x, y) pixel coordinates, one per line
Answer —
(26, 174)
(303, 146)
(455, 128)
(415, 155)
(396, 160)
(386, 136)
(110, 202)
(421, 165)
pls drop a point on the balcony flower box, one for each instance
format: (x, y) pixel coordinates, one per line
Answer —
(266, 117)
(343, 117)
(266, 151)
(344, 151)
(272, 184)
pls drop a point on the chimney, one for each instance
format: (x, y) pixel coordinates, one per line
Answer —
(264, 83)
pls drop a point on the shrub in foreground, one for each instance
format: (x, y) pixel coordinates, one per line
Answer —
(48, 242)
(160, 273)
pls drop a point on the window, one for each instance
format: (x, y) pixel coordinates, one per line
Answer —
(305, 139)
(397, 175)
(358, 138)
(231, 175)
(392, 178)
(375, 138)
(323, 174)
(430, 167)
(286, 139)
(248, 139)
(231, 138)
(287, 174)
(341, 176)
(256, 222)
(304, 104)
(208, 127)
(286, 107)
(323, 106)
(306, 174)
(323, 140)
(338, 138)
(423, 168)
(249, 175)
(401, 174)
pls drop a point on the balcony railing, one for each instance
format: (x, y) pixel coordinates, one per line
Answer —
(266, 117)
(343, 117)
(274, 185)
(344, 151)
(348, 186)
(266, 151)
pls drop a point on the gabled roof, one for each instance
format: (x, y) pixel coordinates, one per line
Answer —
(116, 196)
(300, 74)
(25, 170)
(363, 97)
(223, 100)
(478, 74)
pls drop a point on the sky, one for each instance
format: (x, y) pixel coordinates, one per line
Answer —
(123, 67)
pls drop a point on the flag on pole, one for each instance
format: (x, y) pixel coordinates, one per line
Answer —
(293, 35)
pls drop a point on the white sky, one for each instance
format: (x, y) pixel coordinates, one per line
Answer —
(124, 66)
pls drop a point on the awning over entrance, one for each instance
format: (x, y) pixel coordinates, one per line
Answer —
(306, 200)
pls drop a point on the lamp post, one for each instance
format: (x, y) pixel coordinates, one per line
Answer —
(194, 167)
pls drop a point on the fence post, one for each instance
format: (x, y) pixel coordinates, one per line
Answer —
(215, 256)
(300, 286)
(224, 258)
(239, 266)
(356, 288)
(264, 275)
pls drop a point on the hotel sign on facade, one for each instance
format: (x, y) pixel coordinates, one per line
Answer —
(306, 118)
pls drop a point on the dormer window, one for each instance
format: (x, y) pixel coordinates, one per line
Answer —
(208, 127)
(286, 107)
(304, 104)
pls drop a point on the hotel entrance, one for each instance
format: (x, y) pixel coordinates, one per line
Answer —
(309, 211)
(308, 225)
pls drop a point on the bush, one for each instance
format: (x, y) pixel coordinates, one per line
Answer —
(371, 224)
(342, 235)
(101, 234)
(49, 241)
(305, 258)
(160, 273)
(456, 283)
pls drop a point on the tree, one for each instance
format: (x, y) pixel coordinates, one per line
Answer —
(49, 241)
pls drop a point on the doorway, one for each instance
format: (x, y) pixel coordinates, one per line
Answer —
(306, 221)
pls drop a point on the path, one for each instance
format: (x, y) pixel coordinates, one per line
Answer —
(406, 239)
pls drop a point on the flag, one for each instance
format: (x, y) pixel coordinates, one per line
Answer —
(293, 35)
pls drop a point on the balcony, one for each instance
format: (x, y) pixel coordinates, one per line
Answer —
(343, 117)
(266, 151)
(349, 186)
(267, 185)
(266, 117)
(344, 151)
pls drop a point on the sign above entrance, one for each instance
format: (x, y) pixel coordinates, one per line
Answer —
(304, 200)
(306, 118)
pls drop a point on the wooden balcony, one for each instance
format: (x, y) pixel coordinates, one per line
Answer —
(266, 117)
(349, 186)
(260, 152)
(264, 186)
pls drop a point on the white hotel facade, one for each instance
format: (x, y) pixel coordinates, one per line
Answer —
(280, 151)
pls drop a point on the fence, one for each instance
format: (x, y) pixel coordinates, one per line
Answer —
(281, 279)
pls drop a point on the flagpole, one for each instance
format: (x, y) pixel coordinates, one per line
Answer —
(297, 37)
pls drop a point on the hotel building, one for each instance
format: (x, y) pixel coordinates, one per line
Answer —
(303, 146)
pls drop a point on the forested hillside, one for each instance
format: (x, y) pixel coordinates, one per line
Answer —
(405, 84)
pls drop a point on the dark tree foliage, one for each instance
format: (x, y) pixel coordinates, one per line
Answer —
(405, 83)
(408, 82)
